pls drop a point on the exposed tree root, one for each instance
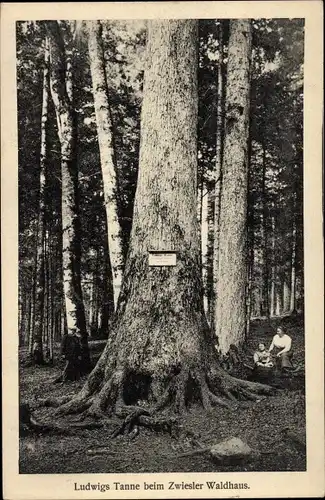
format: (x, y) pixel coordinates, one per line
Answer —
(220, 401)
(130, 420)
(53, 402)
(75, 405)
(98, 400)
(28, 424)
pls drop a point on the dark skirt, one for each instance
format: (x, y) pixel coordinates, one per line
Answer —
(284, 361)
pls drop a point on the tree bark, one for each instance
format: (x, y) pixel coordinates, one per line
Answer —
(107, 312)
(160, 345)
(204, 244)
(31, 321)
(61, 90)
(38, 355)
(218, 169)
(293, 268)
(230, 313)
(107, 152)
(21, 315)
(286, 296)
(250, 245)
(273, 274)
(210, 247)
(278, 300)
(265, 256)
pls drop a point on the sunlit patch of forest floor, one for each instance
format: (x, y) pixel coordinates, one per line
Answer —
(259, 424)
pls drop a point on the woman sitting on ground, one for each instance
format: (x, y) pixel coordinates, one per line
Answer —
(262, 357)
(282, 343)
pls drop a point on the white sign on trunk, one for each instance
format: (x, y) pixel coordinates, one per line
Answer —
(162, 259)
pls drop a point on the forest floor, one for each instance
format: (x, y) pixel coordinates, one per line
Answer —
(258, 424)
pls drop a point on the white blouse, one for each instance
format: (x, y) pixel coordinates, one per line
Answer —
(281, 342)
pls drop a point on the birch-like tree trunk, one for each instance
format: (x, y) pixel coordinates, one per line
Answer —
(230, 311)
(62, 94)
(107, 152)
(218, 170)
(40, 261)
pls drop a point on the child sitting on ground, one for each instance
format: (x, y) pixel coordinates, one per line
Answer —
(262, 357)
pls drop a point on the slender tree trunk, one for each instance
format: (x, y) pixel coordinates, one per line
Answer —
(250, 224)
(96, 308)
(265, 256)
(204, 244)
(95, 297)
(108, 294)
(286, 296)
(249, 292)
(21, 315)
(91, 301)
(27, 317)
(230, 313)
(31, 322)
(199, 199)
(46, 289)
(57, 296)
(278, 300)
(107, 153)
(257, 302)
(250, 244)
(218, 169)
(51, 303)
(293, 268)
(273, 269)
(38, 355)
(61, 89)
(210, 248)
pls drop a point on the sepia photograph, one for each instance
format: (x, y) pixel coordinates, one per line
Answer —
(161, 287)
(161, 245)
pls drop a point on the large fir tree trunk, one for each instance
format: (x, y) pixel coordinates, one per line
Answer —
(107, 153)
(61, 91)
(40, 262)
(230, 312)
(160, 344)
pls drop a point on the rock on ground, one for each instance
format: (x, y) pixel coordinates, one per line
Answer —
(231, 450)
